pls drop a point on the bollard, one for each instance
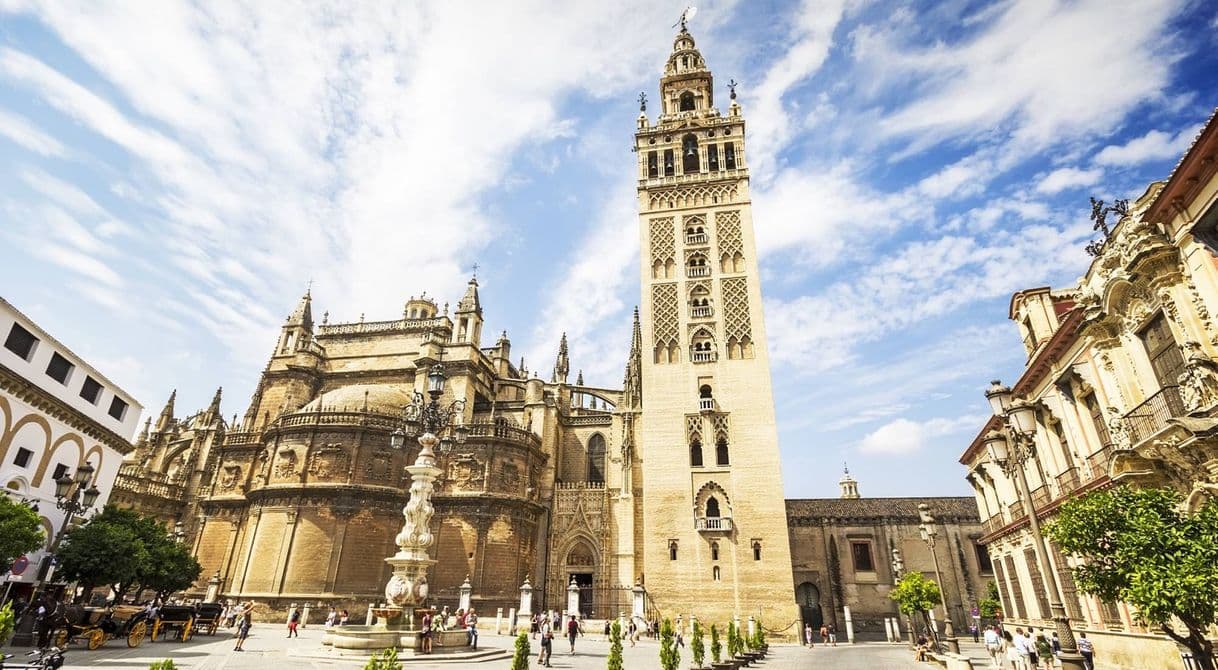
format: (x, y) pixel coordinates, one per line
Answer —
(849, 625)
(512, 621)
(304, 616)
(499, 621)
(368, 616)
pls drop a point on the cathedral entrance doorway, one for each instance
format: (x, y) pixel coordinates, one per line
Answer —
(807, 596)
(587, 599)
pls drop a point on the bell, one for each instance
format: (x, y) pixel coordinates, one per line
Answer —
(689, 152)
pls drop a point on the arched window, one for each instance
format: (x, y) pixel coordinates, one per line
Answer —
(714, 551)
(596, 458)
(712, 508)
(721, 452)
(672, 550)
(689, 155)
(688, 104)
(695, 453)
(715, 573)
(705, 391)
(756, 550)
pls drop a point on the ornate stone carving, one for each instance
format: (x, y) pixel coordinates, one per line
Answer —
(379, 466)
(737, 325)
(665, 330)
(465, 473)
(1199, 380)
(329, 462)
(1117, 430)
(230, 476)
(285, 463)
(509, 477)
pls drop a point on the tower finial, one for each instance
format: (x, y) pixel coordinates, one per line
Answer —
(731, 86)
(686, 15)
(642, 101)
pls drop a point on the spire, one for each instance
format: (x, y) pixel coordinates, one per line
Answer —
(470, 303)
(213, 410)
(162, 423)
(579, 379)
(303, 314)
(143, 438)
(562, 366)
(850, 487)
(632, 384)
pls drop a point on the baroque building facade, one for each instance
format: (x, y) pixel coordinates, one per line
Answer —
(1123, 370)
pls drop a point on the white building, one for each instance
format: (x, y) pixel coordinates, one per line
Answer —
(56, 413)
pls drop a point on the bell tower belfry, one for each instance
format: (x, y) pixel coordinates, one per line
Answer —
(714, 522)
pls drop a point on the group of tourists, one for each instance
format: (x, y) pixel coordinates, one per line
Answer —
(444, 620)
(240, 615)
(1031, 650)
(828, 635)
(550, 624)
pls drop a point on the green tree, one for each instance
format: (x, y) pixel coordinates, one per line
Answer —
(20, 531)
(520, 659)
(386, 660)
(1141, 548)
(170, 568)
(697, 646)
(670, 658)
(916, 595)
(991, 604)
(716, 647)
(100, 553)
(615, 646)
(166, 664)
(733, 645)
(7, 621)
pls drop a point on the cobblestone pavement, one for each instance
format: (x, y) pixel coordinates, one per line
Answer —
(268, 649)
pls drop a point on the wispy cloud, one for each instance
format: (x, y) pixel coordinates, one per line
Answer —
(1154, 145)
(24, 133)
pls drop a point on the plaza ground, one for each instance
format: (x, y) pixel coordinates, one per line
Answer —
(268, 648)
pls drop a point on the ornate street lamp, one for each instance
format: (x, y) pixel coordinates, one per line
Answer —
(929, 534)
(1010, 450)
(74, 495)
(432, 425)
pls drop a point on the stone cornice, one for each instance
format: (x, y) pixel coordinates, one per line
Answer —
(23, 389)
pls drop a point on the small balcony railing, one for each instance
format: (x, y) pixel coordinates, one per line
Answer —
(1017, 511)
(700, 312)
(1068, 481)
(1040, 497)
(1098, 462)
(695, 238)
(714, 524)
(704, 356)
(706, 404)
(698, 271)
(1152, 415)
(993, 523)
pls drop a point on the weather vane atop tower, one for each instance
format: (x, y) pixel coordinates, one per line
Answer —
(642, 101)
(731, 86)
(686, 16)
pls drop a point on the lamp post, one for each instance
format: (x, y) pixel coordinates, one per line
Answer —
(1011, 450)
(898, 568)
(74, 495)
(433, 425)
(929, 534)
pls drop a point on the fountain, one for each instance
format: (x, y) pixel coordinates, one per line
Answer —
(398, 619)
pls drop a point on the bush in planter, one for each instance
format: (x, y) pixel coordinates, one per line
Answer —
(716, 647)
(615, 646)
(670, 658)
(520, 659)
(386, 660)
(696, 646)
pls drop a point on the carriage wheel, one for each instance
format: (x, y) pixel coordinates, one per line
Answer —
(187, 631)
(60, 639)
(135, 636)
(97, 637)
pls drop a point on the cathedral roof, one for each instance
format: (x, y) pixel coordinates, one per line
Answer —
(380, 397)
(874, 509)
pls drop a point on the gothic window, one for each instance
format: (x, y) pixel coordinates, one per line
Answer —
(695, 453)
(687, 98)
(689, 155)
(596, 458)
(672, 550)
(712, 156)
(714, 551)
(715, 573)
(712, 508)
(729, 155)
(756, 550)
(721, 456)
(669, 168)
(653, 164)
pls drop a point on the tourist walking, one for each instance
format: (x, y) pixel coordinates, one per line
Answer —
(631, 631)
(608, 627)
(824, 634)
(573, 630)
(808, 634)
(1087, 651)
(993, 646)
(973, 629)
(471, 626)
(293, 622)
(534, 626)
(547, 642)
(832, 635)
(425, 633)
(245, 621)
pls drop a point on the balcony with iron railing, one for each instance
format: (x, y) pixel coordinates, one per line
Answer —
(993, 524)
(1016, 511)
(713, 524)
(1041, 497)
(1067, 481)
(1152, 415)
(1098, 462)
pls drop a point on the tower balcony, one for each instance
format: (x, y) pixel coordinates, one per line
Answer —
(695, 238)
(698, 271)
(704, 357)
(700, 312)
(706, 404)
(713, 524)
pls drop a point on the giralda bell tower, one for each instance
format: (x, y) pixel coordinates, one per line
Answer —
(714, 523)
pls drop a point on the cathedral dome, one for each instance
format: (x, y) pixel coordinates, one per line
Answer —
(379, 397)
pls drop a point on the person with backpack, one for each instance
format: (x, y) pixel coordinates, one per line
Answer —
(547, 642)
(293, 622)
(573, 630)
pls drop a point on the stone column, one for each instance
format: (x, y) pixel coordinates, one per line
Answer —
(466, 591)
(525, 614)
(573, 598)
(638, 608)
(213, 588)
(849, 624)
(512, 621)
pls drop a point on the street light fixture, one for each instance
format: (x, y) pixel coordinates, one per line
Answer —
(929, 534)
(424, 417)
(74, 495)
(1011, 449)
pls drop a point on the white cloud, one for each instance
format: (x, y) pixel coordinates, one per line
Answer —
(1155, 145)
(903, 436)
(1068, 177)
(22, 132)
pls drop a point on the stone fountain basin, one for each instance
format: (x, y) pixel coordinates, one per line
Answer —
(382, 637)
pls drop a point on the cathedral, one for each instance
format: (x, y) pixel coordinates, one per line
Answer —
(671, 482)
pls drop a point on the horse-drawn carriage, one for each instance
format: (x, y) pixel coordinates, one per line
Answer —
(176, 620)
(96, 626)
(207, 617)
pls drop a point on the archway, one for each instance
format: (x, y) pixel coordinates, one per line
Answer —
(807, 596)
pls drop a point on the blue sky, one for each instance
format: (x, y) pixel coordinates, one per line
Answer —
(171, 180)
